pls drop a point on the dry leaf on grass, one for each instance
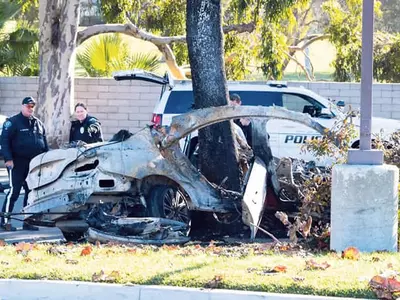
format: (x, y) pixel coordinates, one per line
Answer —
(170, 247)
(102, 277)
(279, 269)
(71, 261)
(215, 282)
(27, 259)
(298, 279)
(23, 248)
(56, 250)
(86, 251)
(313, 265)
(385, 287)
(351, 253)
(375, 259)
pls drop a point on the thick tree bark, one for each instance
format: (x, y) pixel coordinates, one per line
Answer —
(218, 157)
(58, 30)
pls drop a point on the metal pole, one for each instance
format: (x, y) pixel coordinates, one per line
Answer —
(367, 74)
(366, 156)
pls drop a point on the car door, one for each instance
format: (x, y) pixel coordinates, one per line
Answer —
(294, 135)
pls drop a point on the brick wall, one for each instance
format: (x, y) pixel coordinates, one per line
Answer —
(129, 104)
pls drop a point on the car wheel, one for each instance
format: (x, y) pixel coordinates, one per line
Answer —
(168, 202)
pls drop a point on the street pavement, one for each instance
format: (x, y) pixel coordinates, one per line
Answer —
(44, 234)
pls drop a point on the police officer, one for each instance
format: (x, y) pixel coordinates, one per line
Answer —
(243, 123)
(86, 128)
(23, 138)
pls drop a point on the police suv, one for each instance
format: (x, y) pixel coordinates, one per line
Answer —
(286, 137)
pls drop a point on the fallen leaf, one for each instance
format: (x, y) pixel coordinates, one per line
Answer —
(5, 263)
(307, 227)
(56, 251)
(170, 247)
(71, 262)
(102, 277)
(298, 279)
(113, 276)
(132, 250)
(280, 269)
(86, 251)
(96, 277)
(23, 248)
(375, 259)
(351, 253)
(393, 285)
(214, 283)
(27, 259)
(313, 265)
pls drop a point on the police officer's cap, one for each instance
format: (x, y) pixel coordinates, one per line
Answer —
(28, 100)
(235, 97)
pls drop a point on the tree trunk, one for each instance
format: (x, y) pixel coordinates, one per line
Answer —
(217, 158)
(57, 42)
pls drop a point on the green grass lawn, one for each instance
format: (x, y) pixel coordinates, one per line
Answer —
(245, 267)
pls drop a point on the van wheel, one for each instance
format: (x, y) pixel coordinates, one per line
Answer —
(168, 202)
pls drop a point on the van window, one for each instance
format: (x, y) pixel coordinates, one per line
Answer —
(180, 102)
(298, 103)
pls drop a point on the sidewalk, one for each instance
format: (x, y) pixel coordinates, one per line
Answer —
(13, 289)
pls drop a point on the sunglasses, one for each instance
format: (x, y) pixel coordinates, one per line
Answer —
(30, 106)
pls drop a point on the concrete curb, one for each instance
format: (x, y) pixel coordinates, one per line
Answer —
(13, 289)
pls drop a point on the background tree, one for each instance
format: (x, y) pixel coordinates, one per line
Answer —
(344, 30)
(18, 41)
(107, 53)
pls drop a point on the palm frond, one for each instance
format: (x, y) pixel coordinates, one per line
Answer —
(8, 10)
(105, 54)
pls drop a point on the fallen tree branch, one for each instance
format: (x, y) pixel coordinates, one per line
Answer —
(267, 233)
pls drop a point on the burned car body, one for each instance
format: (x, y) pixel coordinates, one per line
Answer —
(142, 188)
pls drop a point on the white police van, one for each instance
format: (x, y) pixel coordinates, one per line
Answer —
(286, 137)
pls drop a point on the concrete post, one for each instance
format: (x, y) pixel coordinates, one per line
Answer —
(364, 207)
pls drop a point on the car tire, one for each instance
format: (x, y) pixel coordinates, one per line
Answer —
(168, 202)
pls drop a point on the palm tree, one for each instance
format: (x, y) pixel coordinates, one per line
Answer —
(18, 42)
(102, 55)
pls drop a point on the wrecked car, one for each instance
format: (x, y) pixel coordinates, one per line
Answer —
(141, 187)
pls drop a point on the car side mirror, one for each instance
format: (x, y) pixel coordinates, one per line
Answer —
(341, 103)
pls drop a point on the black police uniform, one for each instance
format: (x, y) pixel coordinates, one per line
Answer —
(247, 131)
(89, 131)
(21, 140)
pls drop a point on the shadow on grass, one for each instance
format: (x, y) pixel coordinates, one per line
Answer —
(160, 279)
(303, 290)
